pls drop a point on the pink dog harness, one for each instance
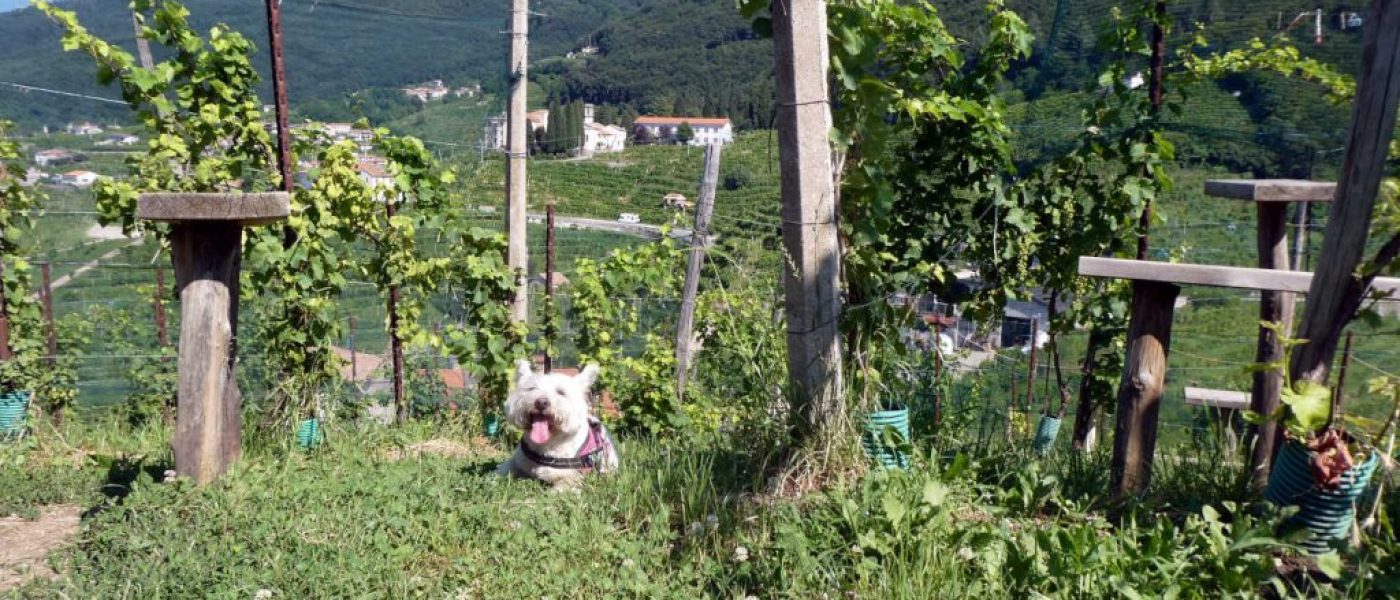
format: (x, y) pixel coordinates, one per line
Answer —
(589, 456)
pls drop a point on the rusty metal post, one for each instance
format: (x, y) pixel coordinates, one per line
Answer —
(396, 344)
(46, 296)
(4, 320)
(548, 286)
(1154, 91)
(279, 94)
(158, 305)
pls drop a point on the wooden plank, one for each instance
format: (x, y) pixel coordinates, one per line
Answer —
(1140, 390)
(1217, 398)
(244, 209)
(1272, 190)
(1212, 275)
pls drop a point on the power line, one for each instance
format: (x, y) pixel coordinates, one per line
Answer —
(33, 88)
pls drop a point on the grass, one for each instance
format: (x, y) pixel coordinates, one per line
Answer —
(685, 519)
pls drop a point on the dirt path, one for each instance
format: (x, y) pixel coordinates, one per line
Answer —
(24, 544)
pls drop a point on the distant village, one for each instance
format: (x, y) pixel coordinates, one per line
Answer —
(602, 138)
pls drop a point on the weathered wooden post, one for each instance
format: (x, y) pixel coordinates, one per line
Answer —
(206, 249)
(699, 242)
(1140, 391)
(1271, 198)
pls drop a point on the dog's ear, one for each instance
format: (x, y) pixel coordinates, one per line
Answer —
(523, 369)
(588, 376)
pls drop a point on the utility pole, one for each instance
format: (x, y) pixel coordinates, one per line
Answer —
(517, 255)
(699, 241)
(812, 266)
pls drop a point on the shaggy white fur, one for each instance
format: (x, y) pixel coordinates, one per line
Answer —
(553, 412)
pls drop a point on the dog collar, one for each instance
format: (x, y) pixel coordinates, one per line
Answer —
(588, 455)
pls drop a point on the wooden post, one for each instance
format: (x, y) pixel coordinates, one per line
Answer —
(1140, 391)
(158, 306)
(143, 45)
(699, 241)
(1271, 198)
(395, 343)
(1274, 307)
(1336, 292)
(812, 265)
(205, 246)
(517, 254)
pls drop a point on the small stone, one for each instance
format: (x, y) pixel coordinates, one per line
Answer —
(262, 594)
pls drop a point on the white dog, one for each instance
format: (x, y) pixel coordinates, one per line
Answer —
(562, 441)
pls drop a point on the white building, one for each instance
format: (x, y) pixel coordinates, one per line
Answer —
(495, 134)
(56, 156)
(598, 137)
(82, 179)
(707, 130)
(120, 139)
(374, 172)
(84, 128)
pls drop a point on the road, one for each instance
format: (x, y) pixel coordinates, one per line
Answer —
(641, 230)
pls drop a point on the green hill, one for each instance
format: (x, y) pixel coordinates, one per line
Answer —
(333, 47)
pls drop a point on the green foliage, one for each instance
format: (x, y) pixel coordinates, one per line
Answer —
(294, 287)
(17, 203)
(684, 133)
(605, 311)
(487, 340)
(150, 368)
(199, 106)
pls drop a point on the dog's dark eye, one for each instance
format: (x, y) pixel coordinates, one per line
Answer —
(561, 391)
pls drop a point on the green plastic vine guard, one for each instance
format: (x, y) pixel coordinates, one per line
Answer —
(1328, 514)
(874, 441)
(14, 411)
(310, 435)
(1045, 434)
(491, 426)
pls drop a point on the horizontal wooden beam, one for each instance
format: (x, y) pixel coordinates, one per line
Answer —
(1212, 275)
(1272, 190)
(244, 209)
(1217, 398)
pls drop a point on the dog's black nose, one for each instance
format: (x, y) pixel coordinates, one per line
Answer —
(541, 404)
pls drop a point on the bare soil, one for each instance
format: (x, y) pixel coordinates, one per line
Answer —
(478, 446)
(24, 544)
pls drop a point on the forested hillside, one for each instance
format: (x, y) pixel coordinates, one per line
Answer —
(346, 59)
(334, 48)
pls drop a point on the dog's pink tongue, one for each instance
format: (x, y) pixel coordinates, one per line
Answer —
(539, 431)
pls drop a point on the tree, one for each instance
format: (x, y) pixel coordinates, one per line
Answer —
(642, 136)
(685, 133)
